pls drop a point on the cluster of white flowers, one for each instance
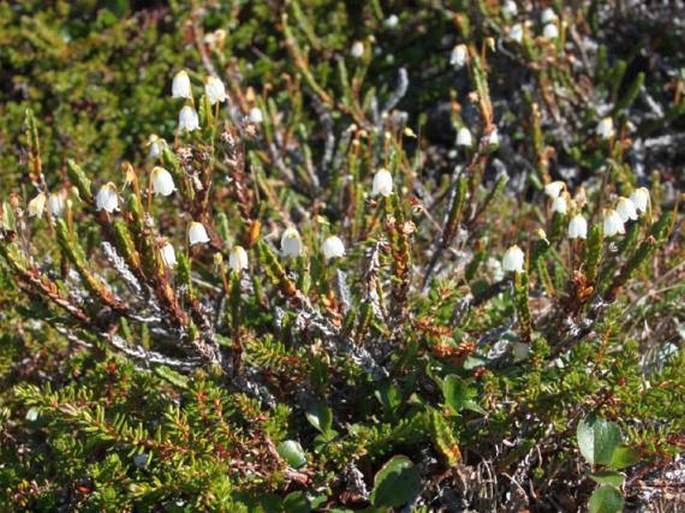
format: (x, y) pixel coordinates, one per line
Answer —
(627, 209)
(215, 91)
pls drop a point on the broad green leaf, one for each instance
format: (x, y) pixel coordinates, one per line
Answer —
(320, 416)
(598, 439)
(396, 483)
(458, 395)
(624, 457)
(609, 477)
(292, 452)
(606, 499)
(296, 502)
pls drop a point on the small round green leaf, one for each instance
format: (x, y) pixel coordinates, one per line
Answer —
(598, 439)
(396, 483)
(606, 499)
(624, 457)
(320, 416)
(292, 452)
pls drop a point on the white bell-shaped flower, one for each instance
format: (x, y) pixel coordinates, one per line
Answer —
(640, 198)
(215, 90)
(559, 205)
(516, 33)
(188, 119)
(197, 233)
(464, 137)
(548, 15)
(493, 137)
(291, 242)
(605, 128)
(392, 21)
(382, 183)
(155, 146)
(553, 189)
(162, 181)
(357, 50)
(459, 56)
(550, 31)
(509, 9)
(333, 247)
(626, 210)
(36, 206)
(237, 259)
(256, 115)
(180, 86)
(612, 224)
(577, 227)
(513, 259)
(56, 203)
(107, 198)
(168, 255)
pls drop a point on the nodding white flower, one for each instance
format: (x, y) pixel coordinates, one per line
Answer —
(548, 15)
(464, 137)
(626, 209)
(382, 183)
(605, 128)
(37, 205)
(168, 255)
(180, 86)
(613, 224)
(56, 203)
(237, 259)
(459, 56)
(551, 31)
(291, 243)
(156, 145)
(553, 189)
(188, 120)
(357, 50)
(215, 90)
(509, 9)
(392, 21)
(559, 205)
(333, 247)
(640, 198)
(577, 227)
(513, 259)
(256, 115)
(516, 33)
(493, 138)
(197, 233)
(107, 198)
(162, 181)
